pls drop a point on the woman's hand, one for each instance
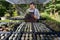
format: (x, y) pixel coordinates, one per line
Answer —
(35, 17)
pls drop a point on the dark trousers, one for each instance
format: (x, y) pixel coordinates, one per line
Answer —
(37, 20)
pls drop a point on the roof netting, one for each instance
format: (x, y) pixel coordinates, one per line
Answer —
(28, 1)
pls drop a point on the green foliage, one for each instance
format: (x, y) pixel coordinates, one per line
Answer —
(15, 13)
(53, 6)
(4, 6)
(58, 6)
(7, 15)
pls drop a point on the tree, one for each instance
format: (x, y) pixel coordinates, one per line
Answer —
(4, 6)
(53, 6)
